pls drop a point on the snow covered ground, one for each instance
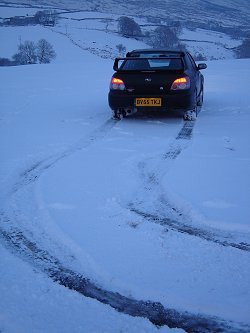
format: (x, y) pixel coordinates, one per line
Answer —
(149, 215)
(210, 44)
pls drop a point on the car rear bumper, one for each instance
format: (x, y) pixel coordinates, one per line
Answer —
(181, 101)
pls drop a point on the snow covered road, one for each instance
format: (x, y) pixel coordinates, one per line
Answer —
(149, 215)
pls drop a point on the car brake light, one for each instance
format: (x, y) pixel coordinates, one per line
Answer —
(181, 84)
(117, 84)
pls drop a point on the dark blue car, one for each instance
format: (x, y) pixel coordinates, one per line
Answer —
(156, 80)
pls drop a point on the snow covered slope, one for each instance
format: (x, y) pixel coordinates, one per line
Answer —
(235, 12)
(113, 226)
(210, 29)
(97, 33)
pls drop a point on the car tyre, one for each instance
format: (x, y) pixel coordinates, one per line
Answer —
(190, 115)
(118, 114)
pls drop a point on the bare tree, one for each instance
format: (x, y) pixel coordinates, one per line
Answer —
(45, 52)
(46, 17)
(128, 27)
(121, 49)
(164, 37)
(26, 53)
(199, 57)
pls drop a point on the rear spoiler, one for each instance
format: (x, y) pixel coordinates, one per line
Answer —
(164, 54)
(116, 67)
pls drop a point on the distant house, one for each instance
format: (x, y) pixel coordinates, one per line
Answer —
(46, 17)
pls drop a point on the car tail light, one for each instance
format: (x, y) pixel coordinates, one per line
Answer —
(117, 84)
(181, 83)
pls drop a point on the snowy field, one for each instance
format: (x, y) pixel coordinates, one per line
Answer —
(116, 226)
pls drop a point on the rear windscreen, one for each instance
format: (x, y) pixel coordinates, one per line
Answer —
(152, 64)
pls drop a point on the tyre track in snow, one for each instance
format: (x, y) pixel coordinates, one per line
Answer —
(155, 312)
(32, 173)
(28, 249)
(180, 224)
(208, 235)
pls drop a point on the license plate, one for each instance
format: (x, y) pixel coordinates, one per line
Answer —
(148, 102)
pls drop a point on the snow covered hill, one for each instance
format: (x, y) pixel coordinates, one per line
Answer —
(212, 29)
(139, 225)
(235, 12)
(97, 33)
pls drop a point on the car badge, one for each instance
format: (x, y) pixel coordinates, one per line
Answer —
(148, 79)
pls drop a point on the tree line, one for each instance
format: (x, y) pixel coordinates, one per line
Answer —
(29, 52)
(167, 37)
(162, 37)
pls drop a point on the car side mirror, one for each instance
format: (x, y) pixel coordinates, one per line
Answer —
(201, 66)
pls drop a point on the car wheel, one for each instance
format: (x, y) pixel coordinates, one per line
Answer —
(118, 114)
(190, 115)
